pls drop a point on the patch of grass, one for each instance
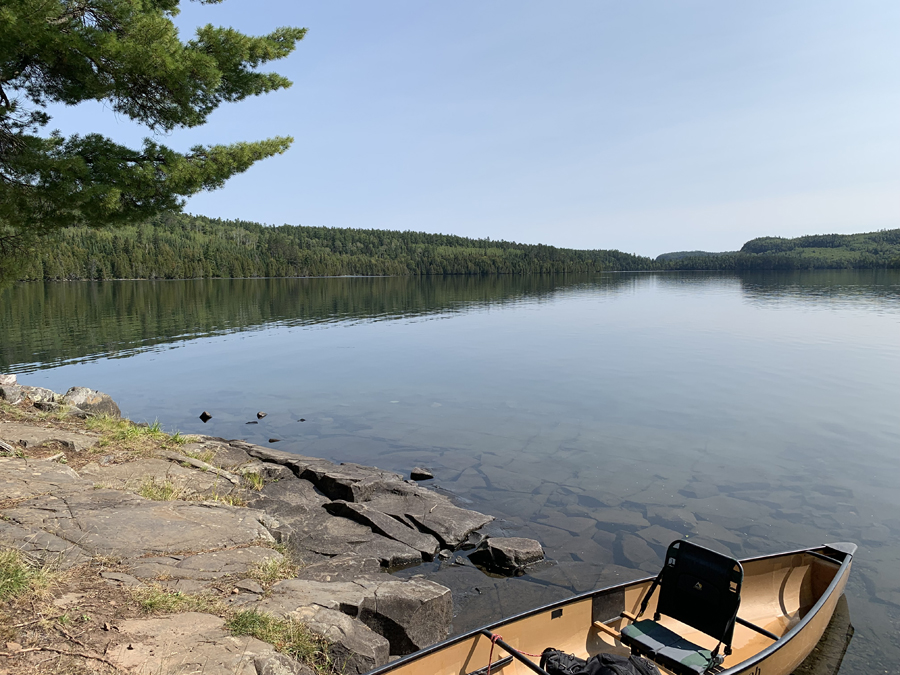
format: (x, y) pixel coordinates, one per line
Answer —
(257, 482)
(115, 429)
(272, 570)
(19, 576)
(286, 635)
(232, 498)
(158, 600)
(159, 491)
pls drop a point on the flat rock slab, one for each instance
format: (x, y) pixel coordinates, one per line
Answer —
(26, 478)
(204, 566)
(409, 614)
(46, 548)
(635, 552)
(346, 567)
(384, 524)
(619, 519)
(13, 432)
(190, 643)
(315, 533)
(661, 536)
(133, 475)
(114, 523)
(225, 454)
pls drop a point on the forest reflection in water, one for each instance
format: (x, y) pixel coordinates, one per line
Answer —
(47, 324)
(601, 415)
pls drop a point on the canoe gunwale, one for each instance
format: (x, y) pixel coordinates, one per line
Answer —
(847, 550)
(839, 578)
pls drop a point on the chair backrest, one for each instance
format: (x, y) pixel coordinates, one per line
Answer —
(701, 588)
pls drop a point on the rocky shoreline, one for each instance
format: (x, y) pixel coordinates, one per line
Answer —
(271, 533)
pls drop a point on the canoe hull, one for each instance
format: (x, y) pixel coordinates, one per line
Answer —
(791, 594)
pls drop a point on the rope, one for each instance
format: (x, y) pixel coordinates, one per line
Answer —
(494, 638)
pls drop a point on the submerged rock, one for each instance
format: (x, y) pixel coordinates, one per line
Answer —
(205, 417)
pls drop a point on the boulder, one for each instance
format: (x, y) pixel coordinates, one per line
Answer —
(352, 646)
(507, 555)
(6, 380)
(16, 393)
(410, 614)
(92, 401)
(421, 473)
(385, 525)
(11, 393)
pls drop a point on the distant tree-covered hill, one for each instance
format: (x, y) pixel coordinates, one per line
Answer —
(820, 251)
(680, 255)
(177, 246)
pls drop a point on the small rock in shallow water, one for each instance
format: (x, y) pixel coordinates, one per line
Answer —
(420, 473)
(301, 420)
(260, 415)
(205, 417)
(507, 555)
(274, 440)
(253, 422)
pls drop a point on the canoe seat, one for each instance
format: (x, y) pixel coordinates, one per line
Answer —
(667, 648)
(700, 588)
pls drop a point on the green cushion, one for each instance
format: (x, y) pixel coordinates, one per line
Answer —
(666, 647)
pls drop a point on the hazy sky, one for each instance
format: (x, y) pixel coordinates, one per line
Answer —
(642, 126)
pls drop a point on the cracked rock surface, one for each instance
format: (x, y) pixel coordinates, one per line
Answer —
(346, 523)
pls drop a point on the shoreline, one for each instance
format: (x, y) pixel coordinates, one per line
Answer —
(103, 503)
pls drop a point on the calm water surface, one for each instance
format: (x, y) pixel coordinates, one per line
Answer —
(602, 415)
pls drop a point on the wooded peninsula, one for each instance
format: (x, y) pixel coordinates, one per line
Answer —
(180, 246)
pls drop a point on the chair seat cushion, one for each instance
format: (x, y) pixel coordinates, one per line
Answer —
(666, 647)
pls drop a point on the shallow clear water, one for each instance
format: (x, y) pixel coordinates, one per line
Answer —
(756, 413)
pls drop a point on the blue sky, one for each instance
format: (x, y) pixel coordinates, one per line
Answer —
(642, 126)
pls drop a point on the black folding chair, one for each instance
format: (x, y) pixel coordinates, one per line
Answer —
(700, 588)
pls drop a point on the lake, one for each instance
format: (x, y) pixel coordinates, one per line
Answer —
(601, 415)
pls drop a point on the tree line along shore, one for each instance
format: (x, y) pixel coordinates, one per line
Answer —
(180, 246)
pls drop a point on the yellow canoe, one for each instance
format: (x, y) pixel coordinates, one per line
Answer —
(787, 600)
